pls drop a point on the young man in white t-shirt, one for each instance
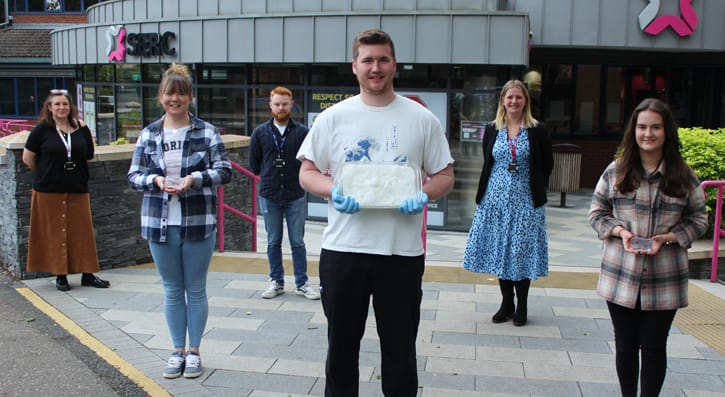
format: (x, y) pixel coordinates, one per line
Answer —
(373, 251)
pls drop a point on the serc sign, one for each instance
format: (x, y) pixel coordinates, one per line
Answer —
(119, 43)
(683, 24)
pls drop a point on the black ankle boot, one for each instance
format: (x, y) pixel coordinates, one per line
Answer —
(91, 280)
(61, 283)
(520, 315)
(506, 311)
(522, 295)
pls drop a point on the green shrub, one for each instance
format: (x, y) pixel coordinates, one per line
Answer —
(119, 141)
(704, 151)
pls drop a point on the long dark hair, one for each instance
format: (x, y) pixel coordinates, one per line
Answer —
(46, 116)
(630, 171)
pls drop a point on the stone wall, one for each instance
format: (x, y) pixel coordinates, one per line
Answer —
(115, 207)
(701, 268)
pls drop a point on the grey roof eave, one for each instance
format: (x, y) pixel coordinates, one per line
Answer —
(44, 60)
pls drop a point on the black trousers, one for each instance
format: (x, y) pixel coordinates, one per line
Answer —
(347, 281)
(645, 330)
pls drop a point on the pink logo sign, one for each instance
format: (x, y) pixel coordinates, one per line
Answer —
(115, 35)
(683, 25)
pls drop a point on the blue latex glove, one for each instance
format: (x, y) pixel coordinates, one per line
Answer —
(413, 206)
(344, 204)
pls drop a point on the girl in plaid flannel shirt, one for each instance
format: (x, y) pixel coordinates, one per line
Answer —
(647, 208)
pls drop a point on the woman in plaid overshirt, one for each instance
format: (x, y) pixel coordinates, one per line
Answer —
(647, 208)
(178, 162)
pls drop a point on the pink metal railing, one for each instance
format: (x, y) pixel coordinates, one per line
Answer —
(222, 207)
(717, 229)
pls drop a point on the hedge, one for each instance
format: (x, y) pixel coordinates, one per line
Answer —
(704, 151)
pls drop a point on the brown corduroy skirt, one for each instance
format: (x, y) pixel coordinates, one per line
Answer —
(61, 239)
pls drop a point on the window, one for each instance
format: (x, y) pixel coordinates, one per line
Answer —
(89, 73)
(479, 76)
(128, 112)
(332, 75)
(465, 135)
(223, 74)
(36, 5)
(421, 76)
(104, 73)
(532, 79)
(44, 87)
(128, 73)
(74, 6)
(152, 73)
(614, 101)
(470, 107)
(26, 96)
(223, 107)
(557, 93)
(50, 6)
(279, 75)
(479, 99)
(105, 112)
(7, 102)
(680, 88)
(587, 99)
(152, 109)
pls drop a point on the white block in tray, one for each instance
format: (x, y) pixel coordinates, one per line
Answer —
(380, 185)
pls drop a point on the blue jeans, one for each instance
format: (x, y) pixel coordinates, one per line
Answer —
(183, 266)
(294, 212)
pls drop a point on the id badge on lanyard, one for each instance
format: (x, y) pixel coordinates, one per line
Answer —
(279, 161)
(513, 166)
(69, 165)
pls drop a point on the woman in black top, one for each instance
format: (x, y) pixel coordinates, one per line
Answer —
(61, 239)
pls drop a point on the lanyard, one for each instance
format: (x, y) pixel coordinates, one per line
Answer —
(512, 144)
(278, 144)
(66, 142)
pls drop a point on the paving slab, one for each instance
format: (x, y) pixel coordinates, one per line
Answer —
(277, 347)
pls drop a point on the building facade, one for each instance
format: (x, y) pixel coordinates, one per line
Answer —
(587, 63)
(26, 71)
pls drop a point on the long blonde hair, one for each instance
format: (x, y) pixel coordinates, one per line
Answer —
(527, 120)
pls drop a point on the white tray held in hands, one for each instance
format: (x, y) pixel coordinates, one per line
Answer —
(380, 185)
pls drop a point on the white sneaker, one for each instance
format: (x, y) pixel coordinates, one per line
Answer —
(175, 366)
(274, 289)
(193, 366)
(307, 291)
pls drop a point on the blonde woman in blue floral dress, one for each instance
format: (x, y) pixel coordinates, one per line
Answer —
(508, 233)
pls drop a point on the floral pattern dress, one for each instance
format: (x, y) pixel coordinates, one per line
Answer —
(508, 235)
